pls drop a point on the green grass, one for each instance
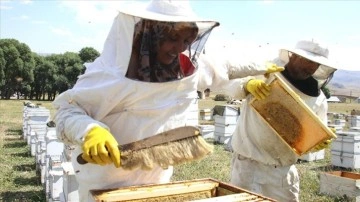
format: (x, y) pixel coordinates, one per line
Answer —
(20, 182)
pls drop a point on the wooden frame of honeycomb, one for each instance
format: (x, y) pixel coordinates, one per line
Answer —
(290, 118)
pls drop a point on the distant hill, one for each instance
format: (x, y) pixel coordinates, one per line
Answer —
(345, 83)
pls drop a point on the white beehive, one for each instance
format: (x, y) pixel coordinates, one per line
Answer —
(313, 156)
(225, 123)
(337, 127)
(354, 129)
(207, 131)
(193, 114)
(40, 148)
(347, 142)
(340, 122)
(206, 114)
(354, 121)
(54, 186)
(31, 138)
(226, 129)
(70, 184)
(34, 116)
(345, 150)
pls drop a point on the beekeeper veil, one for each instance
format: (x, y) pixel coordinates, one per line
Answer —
(317, 53)
(139, 31)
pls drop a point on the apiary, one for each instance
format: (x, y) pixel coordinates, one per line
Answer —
(339, 183)
(291, 119)
(199, 190)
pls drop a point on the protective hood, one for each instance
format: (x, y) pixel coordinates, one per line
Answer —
(119, 45)
(315, 52)
(162, 10)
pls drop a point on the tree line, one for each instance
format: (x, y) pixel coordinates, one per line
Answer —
(32, 76)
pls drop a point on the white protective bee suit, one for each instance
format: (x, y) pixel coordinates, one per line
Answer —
(133, 110)
(262, 162)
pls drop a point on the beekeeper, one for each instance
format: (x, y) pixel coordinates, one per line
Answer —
(261, 161)
(144, 82)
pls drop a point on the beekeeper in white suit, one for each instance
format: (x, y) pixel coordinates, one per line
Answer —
(144, 82)
(261, 161)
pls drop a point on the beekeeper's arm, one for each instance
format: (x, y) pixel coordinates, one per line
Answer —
(76, 127)
(322, 114)
(230, 75)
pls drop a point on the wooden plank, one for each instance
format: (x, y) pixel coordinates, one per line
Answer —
(233, 197)
(291, 119)
(338, 183)
(233, 189)
(152, 191)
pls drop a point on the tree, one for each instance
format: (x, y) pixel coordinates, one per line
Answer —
(18, 67)
(88, 54)
(44, 74)
(326, 91)
(69, 67)
(2, 68)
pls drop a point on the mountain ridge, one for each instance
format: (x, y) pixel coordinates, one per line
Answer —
(345, 83)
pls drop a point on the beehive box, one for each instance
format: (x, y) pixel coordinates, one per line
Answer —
(313, 156)
(345, 160)
(339, 183)
(347, 141)
(205, 114)
(207, 131)
(199, 190)
(290, 118)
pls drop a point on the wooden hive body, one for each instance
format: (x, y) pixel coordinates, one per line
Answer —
(198, 190)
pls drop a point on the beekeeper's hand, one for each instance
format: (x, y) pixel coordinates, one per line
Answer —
(258, 88)
(100, 147)
(323, 145)
(333, 129)
(272, 68)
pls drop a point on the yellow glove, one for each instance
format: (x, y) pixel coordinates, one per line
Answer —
(100, 147)
(258, 88)
(271, 68)
(333, 129)
(323, 145)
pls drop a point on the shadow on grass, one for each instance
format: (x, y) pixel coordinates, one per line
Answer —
(17, 144)
(23, 196)
(330, 168)
(12, 138)
(23, 154)
(14, 132)
(25, 167)
(27, 181)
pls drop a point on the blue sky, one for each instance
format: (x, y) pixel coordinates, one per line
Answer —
(50, 26)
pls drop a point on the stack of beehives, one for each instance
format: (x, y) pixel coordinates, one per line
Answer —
(56, 174)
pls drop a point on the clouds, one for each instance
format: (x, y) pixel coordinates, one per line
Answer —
(92, 11)
(61, 31)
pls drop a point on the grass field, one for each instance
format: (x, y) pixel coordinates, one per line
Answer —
(20, 182)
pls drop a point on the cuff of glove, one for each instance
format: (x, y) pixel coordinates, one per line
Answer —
(81, 137)
(245, 86)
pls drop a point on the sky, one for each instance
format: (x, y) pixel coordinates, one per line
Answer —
(51, 26)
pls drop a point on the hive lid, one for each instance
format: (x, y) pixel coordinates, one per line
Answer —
(348, 133)
(290, 118)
